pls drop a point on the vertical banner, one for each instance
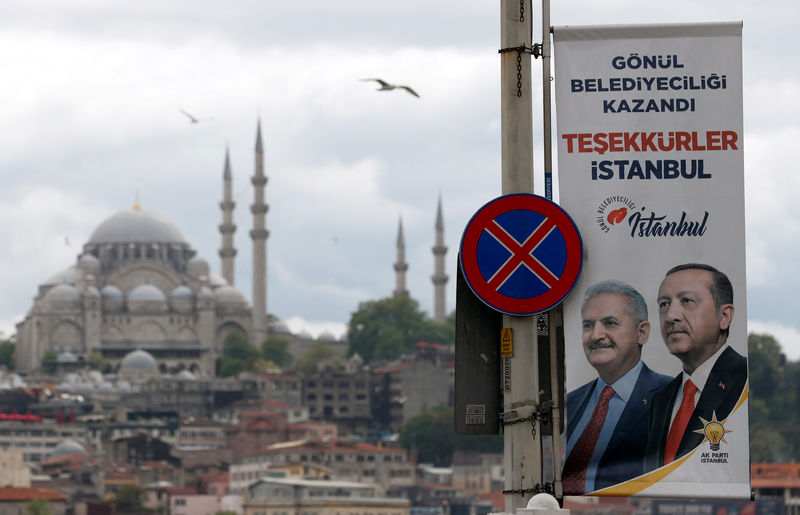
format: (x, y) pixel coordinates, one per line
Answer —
(650, 168)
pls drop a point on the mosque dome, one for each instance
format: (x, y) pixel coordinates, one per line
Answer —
(146, 297)
(181, 293)
(229, 295)
(216, 280)
(197, 267)
(92, 291)
(182, 299)
(206, 293)
(66, 357)
(185, 375)
(67, 447)
(138, 360)
(137, 226)
(279, 327)
(111, 292)
(113, 299)
(65, 276)
(63, 293)
(88, 262)
(146, 293)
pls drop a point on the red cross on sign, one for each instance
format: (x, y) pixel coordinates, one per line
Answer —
(521, 254)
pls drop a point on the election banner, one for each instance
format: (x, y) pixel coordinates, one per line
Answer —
(650, 168)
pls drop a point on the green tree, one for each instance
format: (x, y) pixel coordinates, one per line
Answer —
(237, 355)
(225, 512)
(96, 362)
(276, 350)
(766, 363)
(129, 498)
(7, 354)
(319, 351)
(37, 507)
(386, 328)
(49, 362)
(432, 436)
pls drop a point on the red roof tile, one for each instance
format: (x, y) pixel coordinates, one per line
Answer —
(28, 494)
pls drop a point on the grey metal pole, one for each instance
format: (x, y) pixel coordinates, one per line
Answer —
(554, 315)
(522, 459)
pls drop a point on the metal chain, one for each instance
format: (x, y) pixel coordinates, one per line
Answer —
(546, 488)
(521, 11)
(519, 73)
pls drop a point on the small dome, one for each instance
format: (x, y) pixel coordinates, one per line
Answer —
(139, 360)
(67, 447)
(65, 276)
(88, 262)
(181, 293)
(304, 335)
(205, 293)
(63, 293)
(137, 226)
(216, 280)
(327, 336)
(279, 327)
(92, 291)
(111, 292)
(197, 266)
(229, 295)
(66, 357)
(146, 293)
(185, 375)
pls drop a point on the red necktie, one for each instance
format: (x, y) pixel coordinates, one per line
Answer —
(680, 422)
(573, 477)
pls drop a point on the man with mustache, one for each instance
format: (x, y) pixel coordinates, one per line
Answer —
(607, 418)
(695, 306)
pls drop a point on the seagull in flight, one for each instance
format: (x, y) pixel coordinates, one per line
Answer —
(192, 118)
(385, 86)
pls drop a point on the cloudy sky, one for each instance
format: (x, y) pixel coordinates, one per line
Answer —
(91, 95)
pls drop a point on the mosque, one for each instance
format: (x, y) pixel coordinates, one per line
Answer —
(138, 287)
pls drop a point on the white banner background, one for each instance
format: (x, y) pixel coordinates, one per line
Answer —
(612, 251)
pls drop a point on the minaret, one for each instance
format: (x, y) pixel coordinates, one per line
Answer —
(439, 278)
(227, 227)
(401, 266)
(259, 235)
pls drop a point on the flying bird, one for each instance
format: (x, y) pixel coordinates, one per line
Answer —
(385, 86)
(192, 118)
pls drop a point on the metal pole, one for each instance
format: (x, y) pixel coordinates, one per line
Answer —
(522, 459)
(554, 316)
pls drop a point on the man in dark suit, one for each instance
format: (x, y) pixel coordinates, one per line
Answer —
(607, 418)
(695, 304)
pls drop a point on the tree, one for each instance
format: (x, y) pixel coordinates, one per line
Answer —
(276, 350)
(432, 436)
(237, 355)
(225, 512)
(766, 362)
(129, 498)
(319, 351)
(96, 362)
(49, 362)
(37, 507)
(386, 328)
(7, 353)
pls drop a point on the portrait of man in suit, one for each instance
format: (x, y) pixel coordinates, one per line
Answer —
(695, 307)
(607, 418)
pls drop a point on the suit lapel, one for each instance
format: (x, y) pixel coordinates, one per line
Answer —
(662, 416)
(577, 405)
(717, 392)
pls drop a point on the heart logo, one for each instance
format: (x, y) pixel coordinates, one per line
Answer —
(617, 215)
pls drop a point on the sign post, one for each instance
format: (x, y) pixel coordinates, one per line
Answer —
(522, 456)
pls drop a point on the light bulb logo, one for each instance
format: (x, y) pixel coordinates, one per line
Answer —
(714, 431)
